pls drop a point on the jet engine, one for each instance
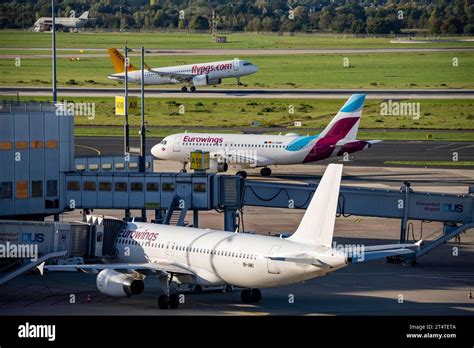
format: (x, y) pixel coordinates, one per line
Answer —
(203, 80)
(214, 82)
(216, 166)
(113, 283)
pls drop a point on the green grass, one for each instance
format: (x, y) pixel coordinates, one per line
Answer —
(433, 163)
(382, 70)
(240, 112)
(11, 38)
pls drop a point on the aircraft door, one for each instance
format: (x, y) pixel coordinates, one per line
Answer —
(236, 64)
(272, 264)
(177, 144)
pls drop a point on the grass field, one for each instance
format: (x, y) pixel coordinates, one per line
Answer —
(240, 112)
(381, 70)
(11, 38)
(166, 116)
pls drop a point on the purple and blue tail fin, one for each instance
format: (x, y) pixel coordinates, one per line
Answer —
(346, 123)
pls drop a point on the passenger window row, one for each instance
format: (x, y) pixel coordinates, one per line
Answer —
(224, 253)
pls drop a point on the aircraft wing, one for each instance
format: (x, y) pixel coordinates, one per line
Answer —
(149, 267)
(234, 157)
(184, 77)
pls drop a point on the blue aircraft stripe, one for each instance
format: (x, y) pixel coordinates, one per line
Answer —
(300, 142)
(355, 103)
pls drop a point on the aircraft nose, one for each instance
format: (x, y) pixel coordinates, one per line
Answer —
(255, 68)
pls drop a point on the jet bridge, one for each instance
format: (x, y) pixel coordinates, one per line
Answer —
(456, 212)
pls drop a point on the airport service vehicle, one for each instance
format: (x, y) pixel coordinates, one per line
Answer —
(209, 258)
(202, 74)
(255, 150)
(71, 23)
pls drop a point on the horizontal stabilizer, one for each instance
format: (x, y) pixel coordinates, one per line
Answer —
(303, 260)
(382, 251)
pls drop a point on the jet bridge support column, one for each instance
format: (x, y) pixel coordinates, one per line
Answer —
(230, 220)
(406, 203)
(195, 218)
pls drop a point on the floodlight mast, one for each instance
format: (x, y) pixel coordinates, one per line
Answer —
(143, 128)
(126, 125)
(53, 37)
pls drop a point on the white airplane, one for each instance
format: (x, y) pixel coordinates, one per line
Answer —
(252, 150)
(45, 23)
(202, 74)
(208, 258)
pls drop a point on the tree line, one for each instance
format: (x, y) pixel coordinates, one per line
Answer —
(338, 16)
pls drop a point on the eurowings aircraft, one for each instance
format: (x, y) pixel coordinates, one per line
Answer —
(208, 257)
(255, 150)
(202, 74)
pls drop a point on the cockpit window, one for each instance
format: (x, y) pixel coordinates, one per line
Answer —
(246, 64)
(163, 142)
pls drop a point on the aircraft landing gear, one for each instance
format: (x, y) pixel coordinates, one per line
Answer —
(167, 300)
(265, 171)
(184, 168)
(174, 301)
(163, 302)
(238, 82)
(171, 301)
(242, 173)
(251, 296)
(184, 89)
(193, 89)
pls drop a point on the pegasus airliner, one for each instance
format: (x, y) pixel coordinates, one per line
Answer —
(254, 150)
(200, 74)
(206, 257)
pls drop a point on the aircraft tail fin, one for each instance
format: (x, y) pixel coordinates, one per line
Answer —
(118, 61)
(84, 15)
(346, 123)
(317, 225)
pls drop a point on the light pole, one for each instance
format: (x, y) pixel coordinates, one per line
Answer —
(127, 126)
(143, 128)
(53, 28)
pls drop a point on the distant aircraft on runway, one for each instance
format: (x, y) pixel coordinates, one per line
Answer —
(202, 74)
(71, 23)
(204, 257)
(251, 150)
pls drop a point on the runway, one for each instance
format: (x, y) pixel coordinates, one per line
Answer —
(151, 52)
(375, 156)
(246, 93)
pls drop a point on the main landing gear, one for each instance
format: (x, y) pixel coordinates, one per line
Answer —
(171, 301)
(168, 299)
(251, 296)
(184, 89)
(265, 171)
(184, 168)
